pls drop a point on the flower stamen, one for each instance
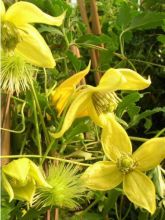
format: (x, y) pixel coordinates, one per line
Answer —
(105, 101)
(126, 164)
(10, 36)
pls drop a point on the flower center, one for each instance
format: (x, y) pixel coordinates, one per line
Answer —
(126, 164)
(10, 36)
(105, 101)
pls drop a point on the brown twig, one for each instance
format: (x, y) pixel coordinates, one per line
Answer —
(5, 123)
(96, 27)
(93, 54)
(76, 52)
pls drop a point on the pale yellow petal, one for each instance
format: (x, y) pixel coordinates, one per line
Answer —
(25, 193)
(150, 154)
(34, 48)
(133, 80)
(25, 12)
(18, 169)
(2, 9)
(78, 105)
(7, 187)
(102, 175)
(63, 92)
(114, 139)
(140, 190)
(36, 175)
(111, 80)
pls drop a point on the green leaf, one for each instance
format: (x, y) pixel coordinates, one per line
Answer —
(161, 38)
(148, 124)
(93, 39)
(79, 126)
(147, 20)
(74, 60)
(124, 16)
(128, 105)
(50, 29)
(143, 115)
(111, 200)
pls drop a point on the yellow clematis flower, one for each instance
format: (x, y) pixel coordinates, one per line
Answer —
(20, 179)
(91, 101)
(20, 36)
(126, 167)
(66, 89)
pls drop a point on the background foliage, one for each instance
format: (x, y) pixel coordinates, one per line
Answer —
(133, 37)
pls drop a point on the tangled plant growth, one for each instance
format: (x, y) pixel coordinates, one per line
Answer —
(82, 109)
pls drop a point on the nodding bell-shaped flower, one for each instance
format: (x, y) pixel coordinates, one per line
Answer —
(91, 101)
(19, 36)
(20, 178)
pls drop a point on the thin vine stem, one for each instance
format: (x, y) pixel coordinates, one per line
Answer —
(38, 136)
(138, 139)
(39, 111)
(22, 121)
(160, 132)
(47, 157)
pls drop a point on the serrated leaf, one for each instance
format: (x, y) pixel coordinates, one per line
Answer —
(147, 124)
(124, 16)
(50, 29)
(145, 114)
(79, 126)
(147, 20)
(128, 104)
(93, 39)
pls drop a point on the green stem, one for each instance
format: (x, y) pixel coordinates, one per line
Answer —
(38, 136)
(126, 214)
(47, 157)
(47, 151)
(138, 139)
(39, 111)
(121, 206)
(46, 80)
(22, 121)
(160, 132)
(121, 43)
(89, 207)
(116, 212)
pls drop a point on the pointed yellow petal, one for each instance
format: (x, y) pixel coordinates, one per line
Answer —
(111, 80)
(78, 105)
(7, 187)
(75, 79)
(115, 139)
(133, 80)
(140, 190)
(25, 12)
(63, 92)
(36, 174)
(102, 175)
(18, 169)
(34, 48)
(25, 193)
(2, 9)
(150, 154)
